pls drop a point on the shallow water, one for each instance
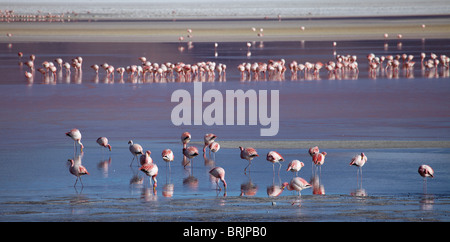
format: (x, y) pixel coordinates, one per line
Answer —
(37, 186)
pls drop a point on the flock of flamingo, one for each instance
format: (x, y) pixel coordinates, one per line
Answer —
(342, 67)
(10, 16)
(148, 167)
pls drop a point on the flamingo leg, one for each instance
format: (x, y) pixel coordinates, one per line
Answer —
(187, 163)
(134, 156)
(81, 182)
(218, 186)
(249, 163)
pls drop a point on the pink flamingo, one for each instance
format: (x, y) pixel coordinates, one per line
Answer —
(77, 170)
(274, 157)
(135, 149)
(209, 138)
(185, 138)
(219, 174)
(151, 170)
(146, 158)
(95, 67)
(103, 141)
(313, 150)
(426, 171)
(248, 154)
(359, 161)
(167, 155)
(28, 75)
(296, 184)
(190, 152)
(319, 158)
(214, 147)
(75, 134)
(295, 166)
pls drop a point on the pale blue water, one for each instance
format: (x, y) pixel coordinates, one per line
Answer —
(36, 184)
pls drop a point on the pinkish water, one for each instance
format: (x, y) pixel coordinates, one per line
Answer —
(37, 186)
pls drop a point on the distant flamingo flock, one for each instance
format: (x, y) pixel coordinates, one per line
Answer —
(217, 173)
(145, 71)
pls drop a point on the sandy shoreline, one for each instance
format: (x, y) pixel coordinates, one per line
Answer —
(333, 29)
(333, 144)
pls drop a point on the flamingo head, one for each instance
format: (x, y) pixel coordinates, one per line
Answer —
(241, 148)
(302, 164)
(362, 155)
(324, 153)
(130, 142)
(109, 147)
(285, 185)
(148, 152)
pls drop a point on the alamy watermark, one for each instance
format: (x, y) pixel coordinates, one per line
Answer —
(235, 108)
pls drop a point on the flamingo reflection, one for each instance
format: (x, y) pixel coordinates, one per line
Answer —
(103, 165)
(190, 181)
(248, 188)
(275, 189)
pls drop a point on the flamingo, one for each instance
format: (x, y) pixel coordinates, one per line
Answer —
(296, 184)
(95, 68)
(426, 171)
(185, 138)
(248, 154)
(219, 174)
(359, 161)
(28, 75)
(77, 170)
(319, 158)
(167, 155)
(59, 61)
(151, 170)
(190, 152)
(295, 166)
(135, 149)
(103, 141)
(274, 157)
(75, 134)
(313, 150)
(145, 158)
(209, 138)
(214, 147)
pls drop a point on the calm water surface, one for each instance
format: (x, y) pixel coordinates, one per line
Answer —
(37, 186)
